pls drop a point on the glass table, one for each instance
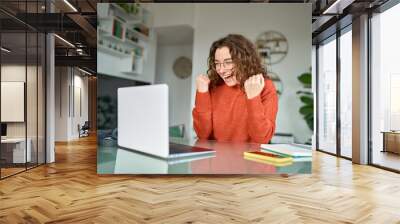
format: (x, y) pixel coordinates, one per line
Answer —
(228, 159)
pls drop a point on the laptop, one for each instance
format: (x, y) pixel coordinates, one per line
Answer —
(132, 162)
(143, 123)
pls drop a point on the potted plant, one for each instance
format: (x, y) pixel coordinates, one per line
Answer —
(306, 97)
(130, 8)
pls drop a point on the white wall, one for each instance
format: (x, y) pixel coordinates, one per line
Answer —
(66, 121)
(213, 21)
(179, 89)
(61, 103)
(80, 82)
(172, 14)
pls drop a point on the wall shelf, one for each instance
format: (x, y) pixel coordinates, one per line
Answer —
(129, 18)
(112, 52)
(133, 73)
(116, 29)
(108, 36)
(128, 75)
(113, 38)
(102, 32)
(137, 34)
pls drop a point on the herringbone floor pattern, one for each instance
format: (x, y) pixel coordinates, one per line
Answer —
(70, 191)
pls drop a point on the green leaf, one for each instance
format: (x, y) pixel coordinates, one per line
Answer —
(310, 124)
(305, 79)
(309, 116)
(307, 100)
(306, 97)
(304, 92)
(307, 109)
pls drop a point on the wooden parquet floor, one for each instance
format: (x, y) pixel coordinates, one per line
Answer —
(70, 191)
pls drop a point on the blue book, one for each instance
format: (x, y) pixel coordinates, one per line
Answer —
(294, 151)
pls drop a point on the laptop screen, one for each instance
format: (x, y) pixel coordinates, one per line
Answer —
(143, 119)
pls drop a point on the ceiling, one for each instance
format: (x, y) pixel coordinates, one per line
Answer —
(328, 16)
(79, 27)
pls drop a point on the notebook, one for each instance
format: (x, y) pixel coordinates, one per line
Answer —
(287, 150)
(267, 157)
(268, 162)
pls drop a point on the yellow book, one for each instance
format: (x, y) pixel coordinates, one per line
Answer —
(268, 157)
(268, 162)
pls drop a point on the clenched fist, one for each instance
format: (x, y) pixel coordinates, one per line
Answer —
(254, 85)
(202, 83)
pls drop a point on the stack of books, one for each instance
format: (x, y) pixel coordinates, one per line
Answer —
(296, 152)
(268, 158)
(279, 154)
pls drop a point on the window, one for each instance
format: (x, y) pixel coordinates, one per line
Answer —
(346, 93)
(327, 96)
(22, 77)
(385, 89)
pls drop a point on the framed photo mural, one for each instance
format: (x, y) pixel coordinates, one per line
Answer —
(174, 97)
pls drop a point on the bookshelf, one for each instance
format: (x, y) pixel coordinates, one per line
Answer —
(125, 36)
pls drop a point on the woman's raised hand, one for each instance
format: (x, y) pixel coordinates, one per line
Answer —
(202, 83)
(254, 85)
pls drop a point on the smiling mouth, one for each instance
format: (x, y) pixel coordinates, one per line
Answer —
(228, 76)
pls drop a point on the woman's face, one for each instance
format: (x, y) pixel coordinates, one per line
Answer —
(224, 66)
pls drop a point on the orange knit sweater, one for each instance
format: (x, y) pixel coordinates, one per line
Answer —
(225, 114)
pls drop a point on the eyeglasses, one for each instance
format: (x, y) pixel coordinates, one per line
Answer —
(225, 64)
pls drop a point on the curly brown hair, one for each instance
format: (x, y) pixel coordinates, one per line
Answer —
(244, 56)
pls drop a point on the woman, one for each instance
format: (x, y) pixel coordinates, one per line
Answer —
(236, 101)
